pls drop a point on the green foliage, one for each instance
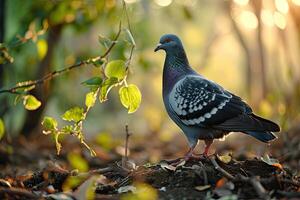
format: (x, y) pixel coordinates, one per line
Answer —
(2, 129)
(130, 37)
(74, 114)
(95, 81)
(116, 69)
(112, 74)
(106, 42)
(90, 99)
(31, 103)
(105, 88)
(130, 97)
(49, 123)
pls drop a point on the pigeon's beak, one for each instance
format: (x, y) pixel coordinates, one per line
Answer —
(158, 47)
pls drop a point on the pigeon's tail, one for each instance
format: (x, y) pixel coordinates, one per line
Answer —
(265, 124)
(262, 136)
(250, 122)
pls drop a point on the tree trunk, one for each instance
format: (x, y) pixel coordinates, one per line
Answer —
(3, 99)
(257, 5)
(242, 41)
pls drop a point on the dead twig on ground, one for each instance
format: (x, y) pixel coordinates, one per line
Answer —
(18, 192)
(125, 158)
(254, 181)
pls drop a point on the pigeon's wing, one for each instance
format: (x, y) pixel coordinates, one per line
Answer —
(197, 101)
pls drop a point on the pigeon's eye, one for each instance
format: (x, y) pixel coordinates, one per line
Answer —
(167, 40)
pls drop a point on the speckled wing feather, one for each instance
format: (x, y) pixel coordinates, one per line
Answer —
(199, 102)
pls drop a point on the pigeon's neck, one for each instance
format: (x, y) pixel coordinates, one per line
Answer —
(176, 66)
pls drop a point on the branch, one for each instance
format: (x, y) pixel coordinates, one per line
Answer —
(254, 181)
(51, 75)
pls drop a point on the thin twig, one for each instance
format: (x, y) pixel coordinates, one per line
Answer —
(130, 33)
(96, 171)
(125, 158)
(220, 169)
(254, 181)
(53, 74)
(11, 192)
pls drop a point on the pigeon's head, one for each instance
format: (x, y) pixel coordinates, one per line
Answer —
(170, 43)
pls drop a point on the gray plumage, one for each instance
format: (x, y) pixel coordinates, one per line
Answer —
(202, 108)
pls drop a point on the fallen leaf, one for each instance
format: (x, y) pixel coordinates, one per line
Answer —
(86, 190)
(221, 182)
(271, 161)
(202, 187)
(225, 158)
(127, 188)
(166, 166)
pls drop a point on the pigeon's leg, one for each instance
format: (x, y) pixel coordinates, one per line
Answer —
(186, 157)
(207, 143)
(189, 154)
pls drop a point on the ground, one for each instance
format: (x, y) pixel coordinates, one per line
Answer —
(30, 172)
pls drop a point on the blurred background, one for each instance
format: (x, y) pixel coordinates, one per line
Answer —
(250, 47)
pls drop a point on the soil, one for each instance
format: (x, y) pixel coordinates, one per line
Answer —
(33, 171)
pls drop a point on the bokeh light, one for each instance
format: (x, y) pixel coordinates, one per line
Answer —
(247, 19)
(282, 6)
(131, 1)
(163, 2)
(241, 2)
(267, 18)
(279, 20)
(296, 2)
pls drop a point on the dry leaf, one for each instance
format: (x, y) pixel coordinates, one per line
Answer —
(221, 182)
(225, 158)
(127, 188)
(166, 166)
(271, 161)
(202, 187)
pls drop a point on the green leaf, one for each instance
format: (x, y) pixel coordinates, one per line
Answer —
(31, 103)
(131, 39)
(105, 88)
(2, 129)
(74, 114)
(49, 123)
(116, 68)
(130, 97)
(77, 162)
(104, 41)
(98, 62)
(68, 129)
(95, 81)
(17, 99)
(90, 99)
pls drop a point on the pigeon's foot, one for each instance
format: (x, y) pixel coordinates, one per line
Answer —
(189, 155)
(200, 156)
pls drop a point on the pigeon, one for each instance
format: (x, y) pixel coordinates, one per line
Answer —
(201, 108)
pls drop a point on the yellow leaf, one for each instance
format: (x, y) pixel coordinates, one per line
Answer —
(130, 97)
(42, 48)
(224, 158)
(143, 192)
(90, 99)
(77, 162)
(31, 103)
(2, 129)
